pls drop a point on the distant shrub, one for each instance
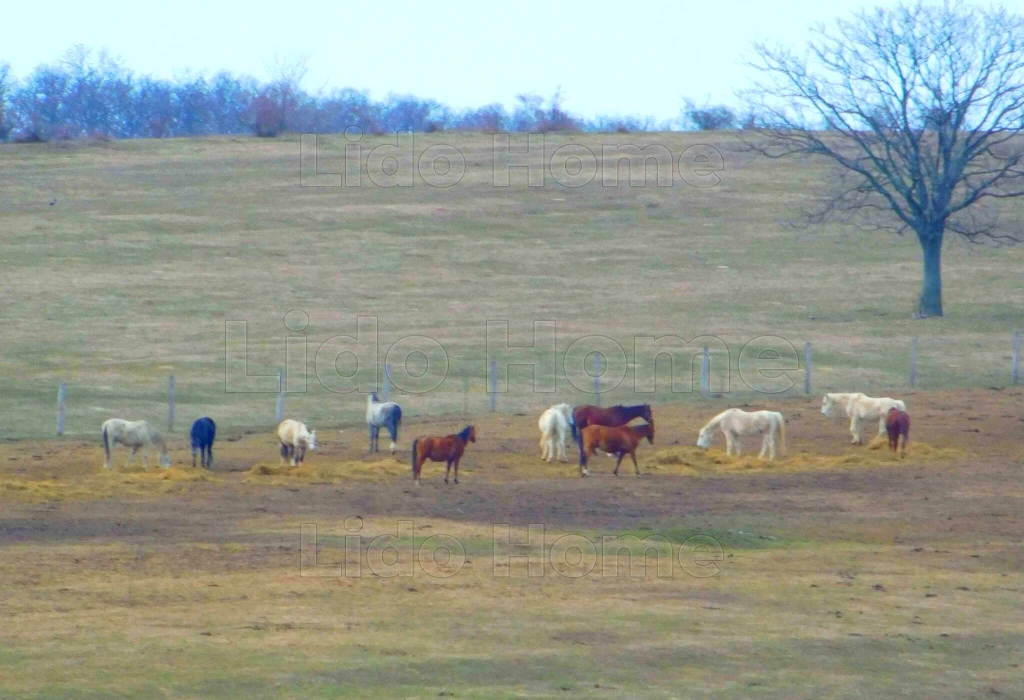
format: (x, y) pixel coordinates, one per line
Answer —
(268, 117)
(28, 136)
(708, 117)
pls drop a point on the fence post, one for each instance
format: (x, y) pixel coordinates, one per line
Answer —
(1015, 361)
(279, 413)
(62, 392)
(494, 386)
(597, 379)
(913, 363)
(170, 404)
(807, 368)
(705, 374)
(387, 382)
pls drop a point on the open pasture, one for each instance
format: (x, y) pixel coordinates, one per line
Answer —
(152, 246)
(842, 569)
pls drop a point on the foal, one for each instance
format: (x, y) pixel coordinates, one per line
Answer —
(446, 449)
(618, 441)
(897, 423)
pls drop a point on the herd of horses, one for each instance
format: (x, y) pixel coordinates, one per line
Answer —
(593, 428)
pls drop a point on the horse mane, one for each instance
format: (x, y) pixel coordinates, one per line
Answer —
(716, 420)
(464, 435)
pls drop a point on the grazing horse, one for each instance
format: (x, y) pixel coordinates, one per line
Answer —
(204, 431)
(612, 417)
(134, 434)
(735, 422)
(387, 414)
(447, 449)
(860, 408)
(554, 421)
(897, 423)
(295, 439)
(618, 441)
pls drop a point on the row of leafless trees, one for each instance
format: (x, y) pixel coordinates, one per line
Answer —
(87, 93)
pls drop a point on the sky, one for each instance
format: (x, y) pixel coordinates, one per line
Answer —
(611, 58)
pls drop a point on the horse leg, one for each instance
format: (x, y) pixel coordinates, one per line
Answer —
(393, 431)
(855, 429)
(736, 445)
(194, 458)
(617, 463)
(561, 447)
(457, 460)
(132, 455)
(764, 446)
(447, 468)
(636, 466)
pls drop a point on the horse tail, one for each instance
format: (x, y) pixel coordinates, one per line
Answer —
(106, 443)
(414, 455)
(397, 422)
(583, 454)
(577, 431)
(782, 433)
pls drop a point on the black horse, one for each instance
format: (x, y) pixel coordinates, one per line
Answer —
(204, 431)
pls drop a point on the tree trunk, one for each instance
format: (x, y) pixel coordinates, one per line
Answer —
(930, 303)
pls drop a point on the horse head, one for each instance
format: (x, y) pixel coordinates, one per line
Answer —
(471, 437)
(827, 404)
(648, 416)
(704, 438)
(650, 434)
(372, 398)
(164, 459)
(312, 439)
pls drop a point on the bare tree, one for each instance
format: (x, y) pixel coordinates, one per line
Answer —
(5, 88)
(921, 110)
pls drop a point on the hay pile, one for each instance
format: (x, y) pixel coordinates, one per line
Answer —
(320, 470)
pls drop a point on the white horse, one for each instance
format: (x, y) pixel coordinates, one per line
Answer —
(860, 408)
(386, 414)
(295, 439)
(136, 435)
(554, 421)
(735, 423)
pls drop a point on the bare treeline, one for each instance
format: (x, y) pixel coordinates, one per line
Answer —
(87, 93)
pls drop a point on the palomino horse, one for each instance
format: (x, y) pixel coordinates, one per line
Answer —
(446, 449)
(295, 439)
(897, 423)
(734, 423)
(860, 408)
(620, 441)
(612, 417)
(204, 431)
(134, 434)
(387, 414)
(554, 421)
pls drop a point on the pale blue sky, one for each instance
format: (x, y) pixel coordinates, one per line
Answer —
(609, 57)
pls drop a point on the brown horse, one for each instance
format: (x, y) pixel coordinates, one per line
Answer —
(618, 441)
(612, 417)
(441, 449)
(897, 423)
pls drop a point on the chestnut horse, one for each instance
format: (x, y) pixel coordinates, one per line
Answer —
(897, 423)
(447, 449)
(611, 417)
(618, 441)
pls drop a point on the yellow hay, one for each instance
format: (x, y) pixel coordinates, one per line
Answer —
(692, 460)
(321, 470)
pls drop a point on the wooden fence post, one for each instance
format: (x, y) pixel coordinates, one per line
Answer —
(597, 379)
(387, 382)
(913, 363)
(62, 392)
(1015, 360)
(170, 404)
(705, 374)
(279, 413)
(807, 368)
(494, 386)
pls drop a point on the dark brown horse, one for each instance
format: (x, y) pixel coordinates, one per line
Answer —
(441, 449)
(620, 441)
(612, 417)
(897, 423)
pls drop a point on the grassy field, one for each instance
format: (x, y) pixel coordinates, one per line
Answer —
(840, 571)
(152, 246)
